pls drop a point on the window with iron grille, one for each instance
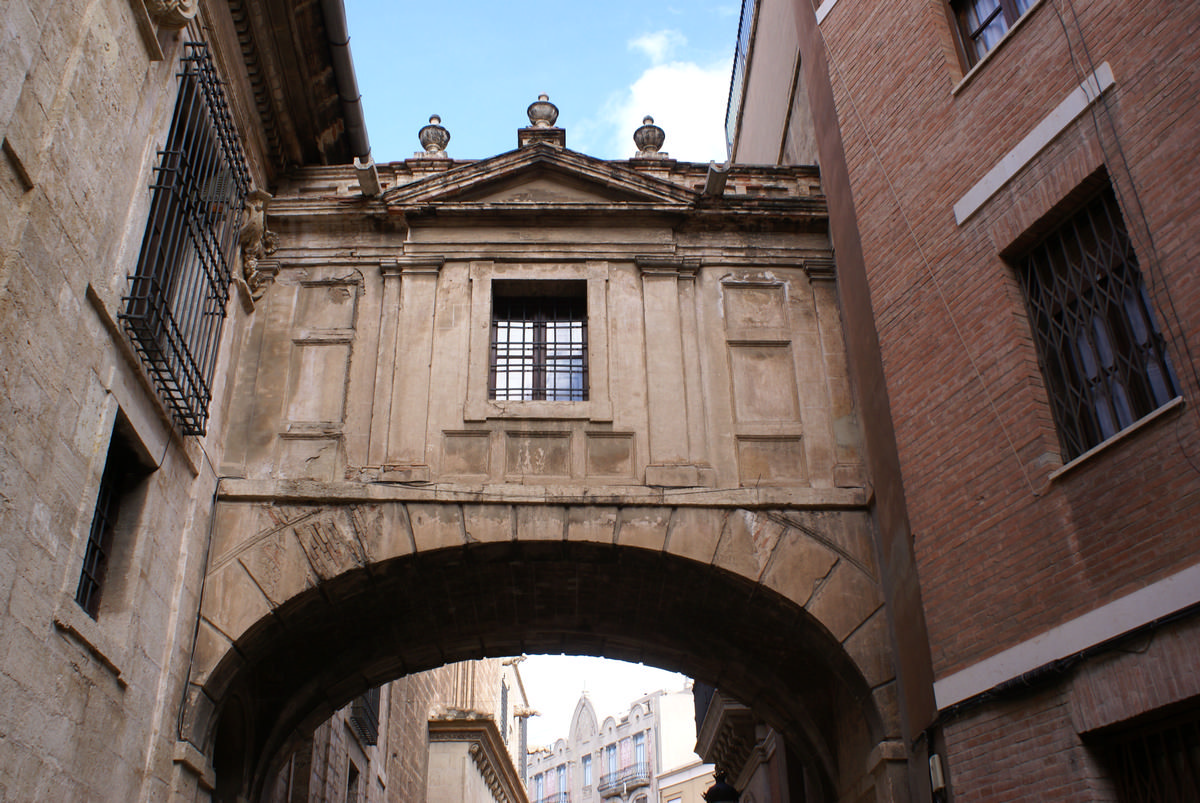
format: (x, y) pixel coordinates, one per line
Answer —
(539, 341)
(1159, 763)
(1103, 357)
(982, 23)
(122, 473)
(175, 308)
(364, 716)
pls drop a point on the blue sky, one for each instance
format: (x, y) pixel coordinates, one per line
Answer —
(604, 64)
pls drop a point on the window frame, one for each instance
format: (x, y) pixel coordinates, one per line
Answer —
(480, 408)
(1075, 318)
(527, 345)
(1010, 12)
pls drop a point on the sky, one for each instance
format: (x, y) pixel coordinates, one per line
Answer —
(553, 684)
(605, 64)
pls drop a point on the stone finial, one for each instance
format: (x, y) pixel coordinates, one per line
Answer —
(542, 113)
(434, 137)
(649, 138)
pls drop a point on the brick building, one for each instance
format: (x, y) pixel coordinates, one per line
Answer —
(1012, 189)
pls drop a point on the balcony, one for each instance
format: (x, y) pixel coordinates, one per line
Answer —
(557, 797)
(620, 784)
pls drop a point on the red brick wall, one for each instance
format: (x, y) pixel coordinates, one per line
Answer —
(1003, 552)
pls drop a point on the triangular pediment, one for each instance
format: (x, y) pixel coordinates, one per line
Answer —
(541, 175)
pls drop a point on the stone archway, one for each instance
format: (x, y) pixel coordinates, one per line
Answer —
(307, 606)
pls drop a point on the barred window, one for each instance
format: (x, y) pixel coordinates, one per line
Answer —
(175, 308)
(364, 716)
(1103, 357)
(1157, 763)
(539, 341)
(123, 471)
(982, 23)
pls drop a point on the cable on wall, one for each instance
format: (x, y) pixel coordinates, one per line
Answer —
(1157, 279)
(991, 402)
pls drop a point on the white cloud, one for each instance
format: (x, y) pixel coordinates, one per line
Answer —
(658, 46)
(554, 683)
(687, 101)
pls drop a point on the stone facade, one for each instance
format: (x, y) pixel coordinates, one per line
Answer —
(1050, 577)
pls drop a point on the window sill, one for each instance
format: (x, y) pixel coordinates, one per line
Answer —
(1174, 404)
(556, 410)
(978, 66)
(73, 622)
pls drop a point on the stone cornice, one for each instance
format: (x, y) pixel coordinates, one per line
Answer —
(293, 491)
(487, 751)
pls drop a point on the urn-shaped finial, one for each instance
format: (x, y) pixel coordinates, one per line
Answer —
(434, 137)
(649, 138)
(542, 113)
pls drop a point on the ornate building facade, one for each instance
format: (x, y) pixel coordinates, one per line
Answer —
(621, 759)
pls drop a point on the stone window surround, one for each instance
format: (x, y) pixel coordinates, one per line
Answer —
(598, 407)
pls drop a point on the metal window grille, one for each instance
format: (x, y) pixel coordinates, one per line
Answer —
(1159, 765)
(175, 308)
(539, 349)
(737, 82)
(1103, 357)
(364, 716)
(120, 470)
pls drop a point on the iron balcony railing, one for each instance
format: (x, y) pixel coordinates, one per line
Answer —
(619, 783)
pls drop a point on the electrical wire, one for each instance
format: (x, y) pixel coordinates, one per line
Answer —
(1158, 282)
(991, 402)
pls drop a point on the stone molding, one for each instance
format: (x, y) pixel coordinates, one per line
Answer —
(486, 749)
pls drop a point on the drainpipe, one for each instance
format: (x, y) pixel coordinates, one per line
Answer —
(714, 182)
(352, 110)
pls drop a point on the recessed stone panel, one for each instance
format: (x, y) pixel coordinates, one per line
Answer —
(764, 382)
(308, 459)
(317, 388)
(755, 306)
(465, 453)
(533, 454)
(610, 456)
(771, 460)
(326, 306)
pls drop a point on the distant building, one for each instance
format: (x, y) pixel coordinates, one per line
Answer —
(455, 734)
(622, 760)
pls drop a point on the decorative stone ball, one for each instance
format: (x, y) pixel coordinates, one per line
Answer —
(649, 138)
(434, 137)
(542, 113)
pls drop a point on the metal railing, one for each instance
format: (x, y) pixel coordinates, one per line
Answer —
(623, 780)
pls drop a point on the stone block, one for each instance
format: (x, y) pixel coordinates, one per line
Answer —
(644, 527)
(436, 526)
(588, 523)
(489, 523)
